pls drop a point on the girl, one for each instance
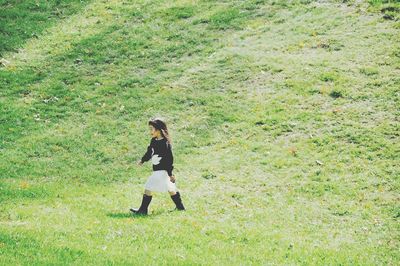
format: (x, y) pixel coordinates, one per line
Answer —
(162, 179)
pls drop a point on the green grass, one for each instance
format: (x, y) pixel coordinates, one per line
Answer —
(23, 20)
(284, 118)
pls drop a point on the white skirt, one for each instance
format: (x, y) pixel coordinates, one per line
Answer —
(159, 181)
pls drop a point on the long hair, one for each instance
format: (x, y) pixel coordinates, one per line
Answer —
(159, 124)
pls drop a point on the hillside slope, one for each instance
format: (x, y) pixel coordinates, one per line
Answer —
(284, 119)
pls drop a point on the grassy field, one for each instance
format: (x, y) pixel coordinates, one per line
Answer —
(284, 117)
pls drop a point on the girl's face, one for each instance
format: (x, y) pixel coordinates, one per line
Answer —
(155, 133)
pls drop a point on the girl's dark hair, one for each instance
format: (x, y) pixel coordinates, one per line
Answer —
(157, 123)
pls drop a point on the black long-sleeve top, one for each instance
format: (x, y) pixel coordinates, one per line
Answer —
(160, 153)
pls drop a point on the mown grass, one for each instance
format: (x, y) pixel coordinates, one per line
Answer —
(284, 121)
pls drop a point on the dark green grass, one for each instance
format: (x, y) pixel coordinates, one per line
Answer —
(23, 20)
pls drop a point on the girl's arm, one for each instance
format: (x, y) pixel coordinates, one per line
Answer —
(169, 160)
(148, 153)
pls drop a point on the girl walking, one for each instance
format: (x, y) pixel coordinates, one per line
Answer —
(161, 180)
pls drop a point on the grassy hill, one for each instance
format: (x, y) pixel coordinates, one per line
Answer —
(284, 117)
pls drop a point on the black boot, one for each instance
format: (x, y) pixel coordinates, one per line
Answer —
(144, 206)
(178, 201)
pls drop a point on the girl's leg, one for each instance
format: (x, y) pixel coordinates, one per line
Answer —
(143, 209)
(176, 197)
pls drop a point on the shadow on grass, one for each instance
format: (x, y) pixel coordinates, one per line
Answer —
(128, 214)
(120, 215)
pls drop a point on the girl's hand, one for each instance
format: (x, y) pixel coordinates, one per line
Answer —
(172, 178)
(139, 163)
